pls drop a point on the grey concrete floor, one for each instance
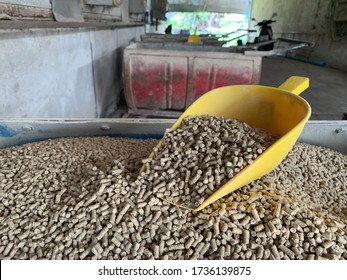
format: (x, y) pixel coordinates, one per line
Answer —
(327, 93)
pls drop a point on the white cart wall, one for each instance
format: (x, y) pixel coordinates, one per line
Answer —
(62, 73)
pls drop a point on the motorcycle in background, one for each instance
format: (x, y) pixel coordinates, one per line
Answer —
(265, 42)
(265, 33)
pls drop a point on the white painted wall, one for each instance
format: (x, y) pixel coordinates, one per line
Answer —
(61, 73)
(305, 20)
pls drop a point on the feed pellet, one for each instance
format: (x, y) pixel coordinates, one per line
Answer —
(82, 198)
(201, 155)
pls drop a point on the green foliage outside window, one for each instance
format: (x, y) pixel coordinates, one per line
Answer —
(229, 27)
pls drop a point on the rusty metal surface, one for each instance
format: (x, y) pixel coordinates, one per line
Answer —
(171, 77)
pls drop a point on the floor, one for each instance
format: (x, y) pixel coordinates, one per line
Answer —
(327, 93)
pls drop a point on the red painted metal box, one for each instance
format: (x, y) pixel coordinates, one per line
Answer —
(163, 80)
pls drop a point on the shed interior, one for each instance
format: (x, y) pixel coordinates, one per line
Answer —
(63, 59)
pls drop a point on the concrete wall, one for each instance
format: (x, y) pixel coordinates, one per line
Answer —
(305, 20)
(62, 73)
(43, 9)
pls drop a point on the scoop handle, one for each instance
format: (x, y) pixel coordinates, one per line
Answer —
(295, 84)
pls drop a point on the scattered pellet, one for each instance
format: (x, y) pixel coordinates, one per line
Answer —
(122, 212)
(294, 212)
(259, 227)
(275, 253)
(245, 221)
(287, 251)
(245, 236)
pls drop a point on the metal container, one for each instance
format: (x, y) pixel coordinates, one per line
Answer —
(163, 79)
(183, 38)
(330, 134)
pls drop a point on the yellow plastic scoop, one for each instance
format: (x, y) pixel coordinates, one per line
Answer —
(194, 38)
(279, 111)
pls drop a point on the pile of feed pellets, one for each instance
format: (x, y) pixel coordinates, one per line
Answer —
(83, 198)
(201, 155)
